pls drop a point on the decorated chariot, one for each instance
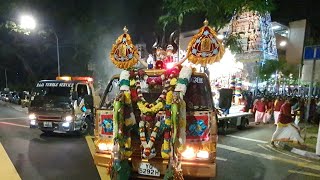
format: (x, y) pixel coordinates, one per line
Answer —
(159, 121)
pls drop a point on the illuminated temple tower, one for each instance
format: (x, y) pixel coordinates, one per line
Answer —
(257, 41)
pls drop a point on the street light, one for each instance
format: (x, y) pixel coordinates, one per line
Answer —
(28, 22)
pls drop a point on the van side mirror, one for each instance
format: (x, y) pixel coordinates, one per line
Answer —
(74, 95)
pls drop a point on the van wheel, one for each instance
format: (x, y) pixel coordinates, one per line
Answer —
(86, 127)
(244, 124)
(224, 127)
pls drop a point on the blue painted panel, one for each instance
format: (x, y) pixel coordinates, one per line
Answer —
(309, 51)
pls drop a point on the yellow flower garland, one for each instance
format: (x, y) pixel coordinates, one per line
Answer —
(152, 109)
(169, 97)
(173, 81)
(132, 82)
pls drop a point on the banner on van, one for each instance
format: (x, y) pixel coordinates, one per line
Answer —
(54, 84)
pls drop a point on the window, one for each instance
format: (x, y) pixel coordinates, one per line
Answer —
(198, 95)
(111, 92)
(82, 90)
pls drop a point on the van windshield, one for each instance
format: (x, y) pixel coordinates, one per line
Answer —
(53, 93)
(198, 95)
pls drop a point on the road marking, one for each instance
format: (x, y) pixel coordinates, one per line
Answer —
(221, 159)
(101, 170)
(15, 118)
(13, 124)
(304, 173)
(287, 154)
(309, 165)
(260, 145)
(248, 139)
(7, 170)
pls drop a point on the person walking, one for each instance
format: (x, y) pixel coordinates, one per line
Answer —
(276, 109)
(269, 109)
(260, 109)
(286, 131)
(248, 102)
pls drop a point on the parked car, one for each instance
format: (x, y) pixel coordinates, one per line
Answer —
(10, 96)
(5, 97)
(16, 99)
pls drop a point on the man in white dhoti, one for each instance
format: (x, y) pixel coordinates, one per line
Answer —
(260, 109)
(276, 109)
(286, 131)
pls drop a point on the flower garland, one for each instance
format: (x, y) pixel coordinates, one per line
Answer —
(183, 80)
(153, 108)
(148, 146)
(166, 148)
(149, 110)
(123, 117)
(130, 83)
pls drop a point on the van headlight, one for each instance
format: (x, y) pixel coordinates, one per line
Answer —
(102, 146)
(68, 118)
(32, 116)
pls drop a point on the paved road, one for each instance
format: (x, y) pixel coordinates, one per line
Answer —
(248, 155)
(241, 154)
(36, 156)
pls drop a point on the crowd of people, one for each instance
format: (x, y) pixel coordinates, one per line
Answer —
(285, 112)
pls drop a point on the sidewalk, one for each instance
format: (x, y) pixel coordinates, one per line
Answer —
(309, 133)
(14, 106)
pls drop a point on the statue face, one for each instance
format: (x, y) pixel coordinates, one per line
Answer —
(160, 54)
(169, 53)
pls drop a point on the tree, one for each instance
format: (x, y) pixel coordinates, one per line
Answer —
(287, 73)
(79, 35)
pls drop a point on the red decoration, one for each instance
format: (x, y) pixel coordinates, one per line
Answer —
(102, 117)
(168, 59)
(149, 118)
(173, 71)
(141, 72)
(132, 74)
(168, 113)
(134, 95)
(159, 65)
(205, 135)
(154, 81)
(147, 151)
(166, 135)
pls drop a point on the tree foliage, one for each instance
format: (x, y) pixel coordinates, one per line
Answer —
(285, 71)
(78, 32)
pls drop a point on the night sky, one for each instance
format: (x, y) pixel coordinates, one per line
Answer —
(290, 10)
(139, 15)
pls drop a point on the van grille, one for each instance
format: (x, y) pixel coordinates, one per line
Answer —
(49, 118)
